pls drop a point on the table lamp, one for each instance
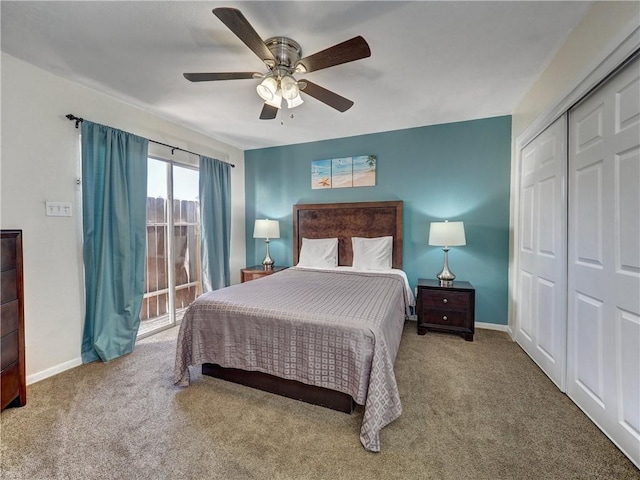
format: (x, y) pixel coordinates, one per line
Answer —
(266, 229)
(446, 234)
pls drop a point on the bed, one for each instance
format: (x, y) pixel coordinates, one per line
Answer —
(327, 335)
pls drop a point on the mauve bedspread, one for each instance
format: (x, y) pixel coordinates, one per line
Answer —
(334, 329)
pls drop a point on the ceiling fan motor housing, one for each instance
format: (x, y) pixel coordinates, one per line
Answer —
(286, 51)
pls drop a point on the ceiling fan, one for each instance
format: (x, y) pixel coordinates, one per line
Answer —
(282, 56)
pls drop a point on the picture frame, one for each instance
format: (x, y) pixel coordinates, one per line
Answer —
(344, 172)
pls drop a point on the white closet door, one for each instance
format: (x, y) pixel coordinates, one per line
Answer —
(542, 269)
(603, 361)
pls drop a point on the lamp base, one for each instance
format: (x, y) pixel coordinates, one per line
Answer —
(267, 263)
(446, 276)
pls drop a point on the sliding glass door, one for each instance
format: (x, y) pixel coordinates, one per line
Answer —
(172, 277)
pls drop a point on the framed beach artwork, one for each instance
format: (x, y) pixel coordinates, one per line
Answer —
(344, 172)
(320, 174)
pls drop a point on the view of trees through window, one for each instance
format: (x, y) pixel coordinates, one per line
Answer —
(172, 276)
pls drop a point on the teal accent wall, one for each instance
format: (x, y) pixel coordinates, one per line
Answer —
(455, 171)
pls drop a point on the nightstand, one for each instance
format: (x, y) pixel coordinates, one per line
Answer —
(257, 271)
(446, 308)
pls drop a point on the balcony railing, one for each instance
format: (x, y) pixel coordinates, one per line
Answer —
(186, 265)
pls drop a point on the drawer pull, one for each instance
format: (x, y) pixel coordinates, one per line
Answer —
(445, 317)
(444, 300)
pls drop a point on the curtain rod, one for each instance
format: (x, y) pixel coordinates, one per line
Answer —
(73, 118)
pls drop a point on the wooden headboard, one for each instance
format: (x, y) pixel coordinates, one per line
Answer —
(346, 220)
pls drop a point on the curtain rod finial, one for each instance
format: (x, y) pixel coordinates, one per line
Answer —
(71, 116)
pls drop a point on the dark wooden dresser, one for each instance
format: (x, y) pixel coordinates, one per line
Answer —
(447, 308)
(13, 387)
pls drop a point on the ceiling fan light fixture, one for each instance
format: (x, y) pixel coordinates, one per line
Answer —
(283, 58)
(267, 89)
(289, 87)
(295, 101)
(276, 101)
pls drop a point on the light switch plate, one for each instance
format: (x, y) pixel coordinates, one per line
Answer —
(58, 209)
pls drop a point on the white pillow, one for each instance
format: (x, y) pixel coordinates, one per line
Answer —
(372, 253)
(319, 253)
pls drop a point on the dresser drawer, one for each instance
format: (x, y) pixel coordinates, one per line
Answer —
(446, 299)
(9, 286)
(9, 316)
(8, 254)
(11, 383)
(9, 346)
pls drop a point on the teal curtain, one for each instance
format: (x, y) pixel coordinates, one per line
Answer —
(215, 222)
(114, 196)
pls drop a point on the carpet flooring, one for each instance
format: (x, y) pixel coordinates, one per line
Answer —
(472, 410)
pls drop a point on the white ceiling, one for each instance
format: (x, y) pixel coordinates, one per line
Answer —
(431, 62)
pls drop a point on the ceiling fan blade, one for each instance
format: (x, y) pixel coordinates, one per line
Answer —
(209, 77)
(238, 24)
(348, 51)
(269, 112)
(326, 96)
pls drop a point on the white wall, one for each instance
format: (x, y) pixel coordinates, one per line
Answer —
(40, 162)
(603, 27)
(592, 48)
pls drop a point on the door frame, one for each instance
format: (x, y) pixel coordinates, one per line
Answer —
(169, 242)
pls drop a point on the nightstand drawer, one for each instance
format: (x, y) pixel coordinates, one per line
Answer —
(446, 318)
(445, 299)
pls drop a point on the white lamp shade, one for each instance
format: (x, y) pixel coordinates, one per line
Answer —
(447, 234)
(266, 229)
(289, 87)
(276, 101)
(294, 102)
(267, 88)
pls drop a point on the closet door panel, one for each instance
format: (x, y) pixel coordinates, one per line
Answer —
(629, 365)
(603, 343)
(541, 327)
(547, 341)
(628, 204)
(589, 223)
(589, 374)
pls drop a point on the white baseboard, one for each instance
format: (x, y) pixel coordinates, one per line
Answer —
(493, 326)
(50, 372)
